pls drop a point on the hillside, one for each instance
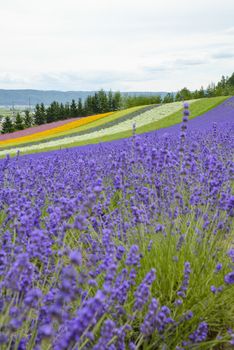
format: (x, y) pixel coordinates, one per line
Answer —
(105, 127)
(24, 97)
(125, 240)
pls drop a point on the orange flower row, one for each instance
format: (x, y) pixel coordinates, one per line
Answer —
(56, 130)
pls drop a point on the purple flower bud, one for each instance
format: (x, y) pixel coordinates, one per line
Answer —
(46, 331)
(76, 257)
(133, 257)
(229, 278)
(3, 338)
(200, 334)
(218, 267)
(231, 254)
(213, 289)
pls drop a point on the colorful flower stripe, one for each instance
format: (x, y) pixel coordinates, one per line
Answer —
(114, 119)
(124, 245)
(148, 117)
(35, 129)
(65, 127)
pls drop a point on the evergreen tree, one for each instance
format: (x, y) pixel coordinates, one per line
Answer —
(94, 104)
(43, 112)
(230, 81)
(117, 100)
(110, 101)
(168, 98)
(222, 83)
(201, 92)
(28, 121)
(195, 94)
(39, 114)
(178, 96)
(80, 110)
(88, 106)
(19, 124)
(103, 101)
(66, 110)
(62, 111)
(7, 126)
(183, 94)
(53, 112)
(73, 109)
(210, 91)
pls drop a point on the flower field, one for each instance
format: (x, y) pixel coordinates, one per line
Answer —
(43, 134)
(105, 127)
(141, 119)
(73, 127)
(122, 245)
(34, 129)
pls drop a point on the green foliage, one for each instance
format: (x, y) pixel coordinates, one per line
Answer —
(73, 109)
(168, 259)
(132, 101)
(28, 120)
(80, 110)
(196, 109)
(19, 123)
(183, 94)
(53, 112)
(225, 87)
(168, 98)
(230, 81)
(102, 102)
(7, 126)
(39, 115)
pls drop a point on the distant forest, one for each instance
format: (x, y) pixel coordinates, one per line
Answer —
(102, 102)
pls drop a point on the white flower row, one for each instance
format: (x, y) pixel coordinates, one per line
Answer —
(142, 119)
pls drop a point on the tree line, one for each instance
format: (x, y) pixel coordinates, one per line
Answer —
(102, 102)
(224, 87)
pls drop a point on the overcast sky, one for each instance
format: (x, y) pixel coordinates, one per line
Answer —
(127, 45)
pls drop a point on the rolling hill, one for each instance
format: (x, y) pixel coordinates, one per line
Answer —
(103, 127)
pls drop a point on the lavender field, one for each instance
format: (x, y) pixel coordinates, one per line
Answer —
(122, 245)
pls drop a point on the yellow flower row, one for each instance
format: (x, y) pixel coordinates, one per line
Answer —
(56, 130)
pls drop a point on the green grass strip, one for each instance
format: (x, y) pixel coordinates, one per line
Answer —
(113, 119)
(197, 109)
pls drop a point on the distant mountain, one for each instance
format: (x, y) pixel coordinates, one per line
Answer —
(26, 97)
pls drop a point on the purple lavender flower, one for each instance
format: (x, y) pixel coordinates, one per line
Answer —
(76, 257)
(200, 334)
(143, 291)
(3, 338)
(156, 319)
(231, 254)
(183, 289)
(32, 297)
(218, 267)
(120, 252)
(46, 331)
(75, 231)
(229, 278)
(107, 332)
(213, 289)
(133, 257)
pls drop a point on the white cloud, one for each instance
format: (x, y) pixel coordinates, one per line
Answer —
(125, 44)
